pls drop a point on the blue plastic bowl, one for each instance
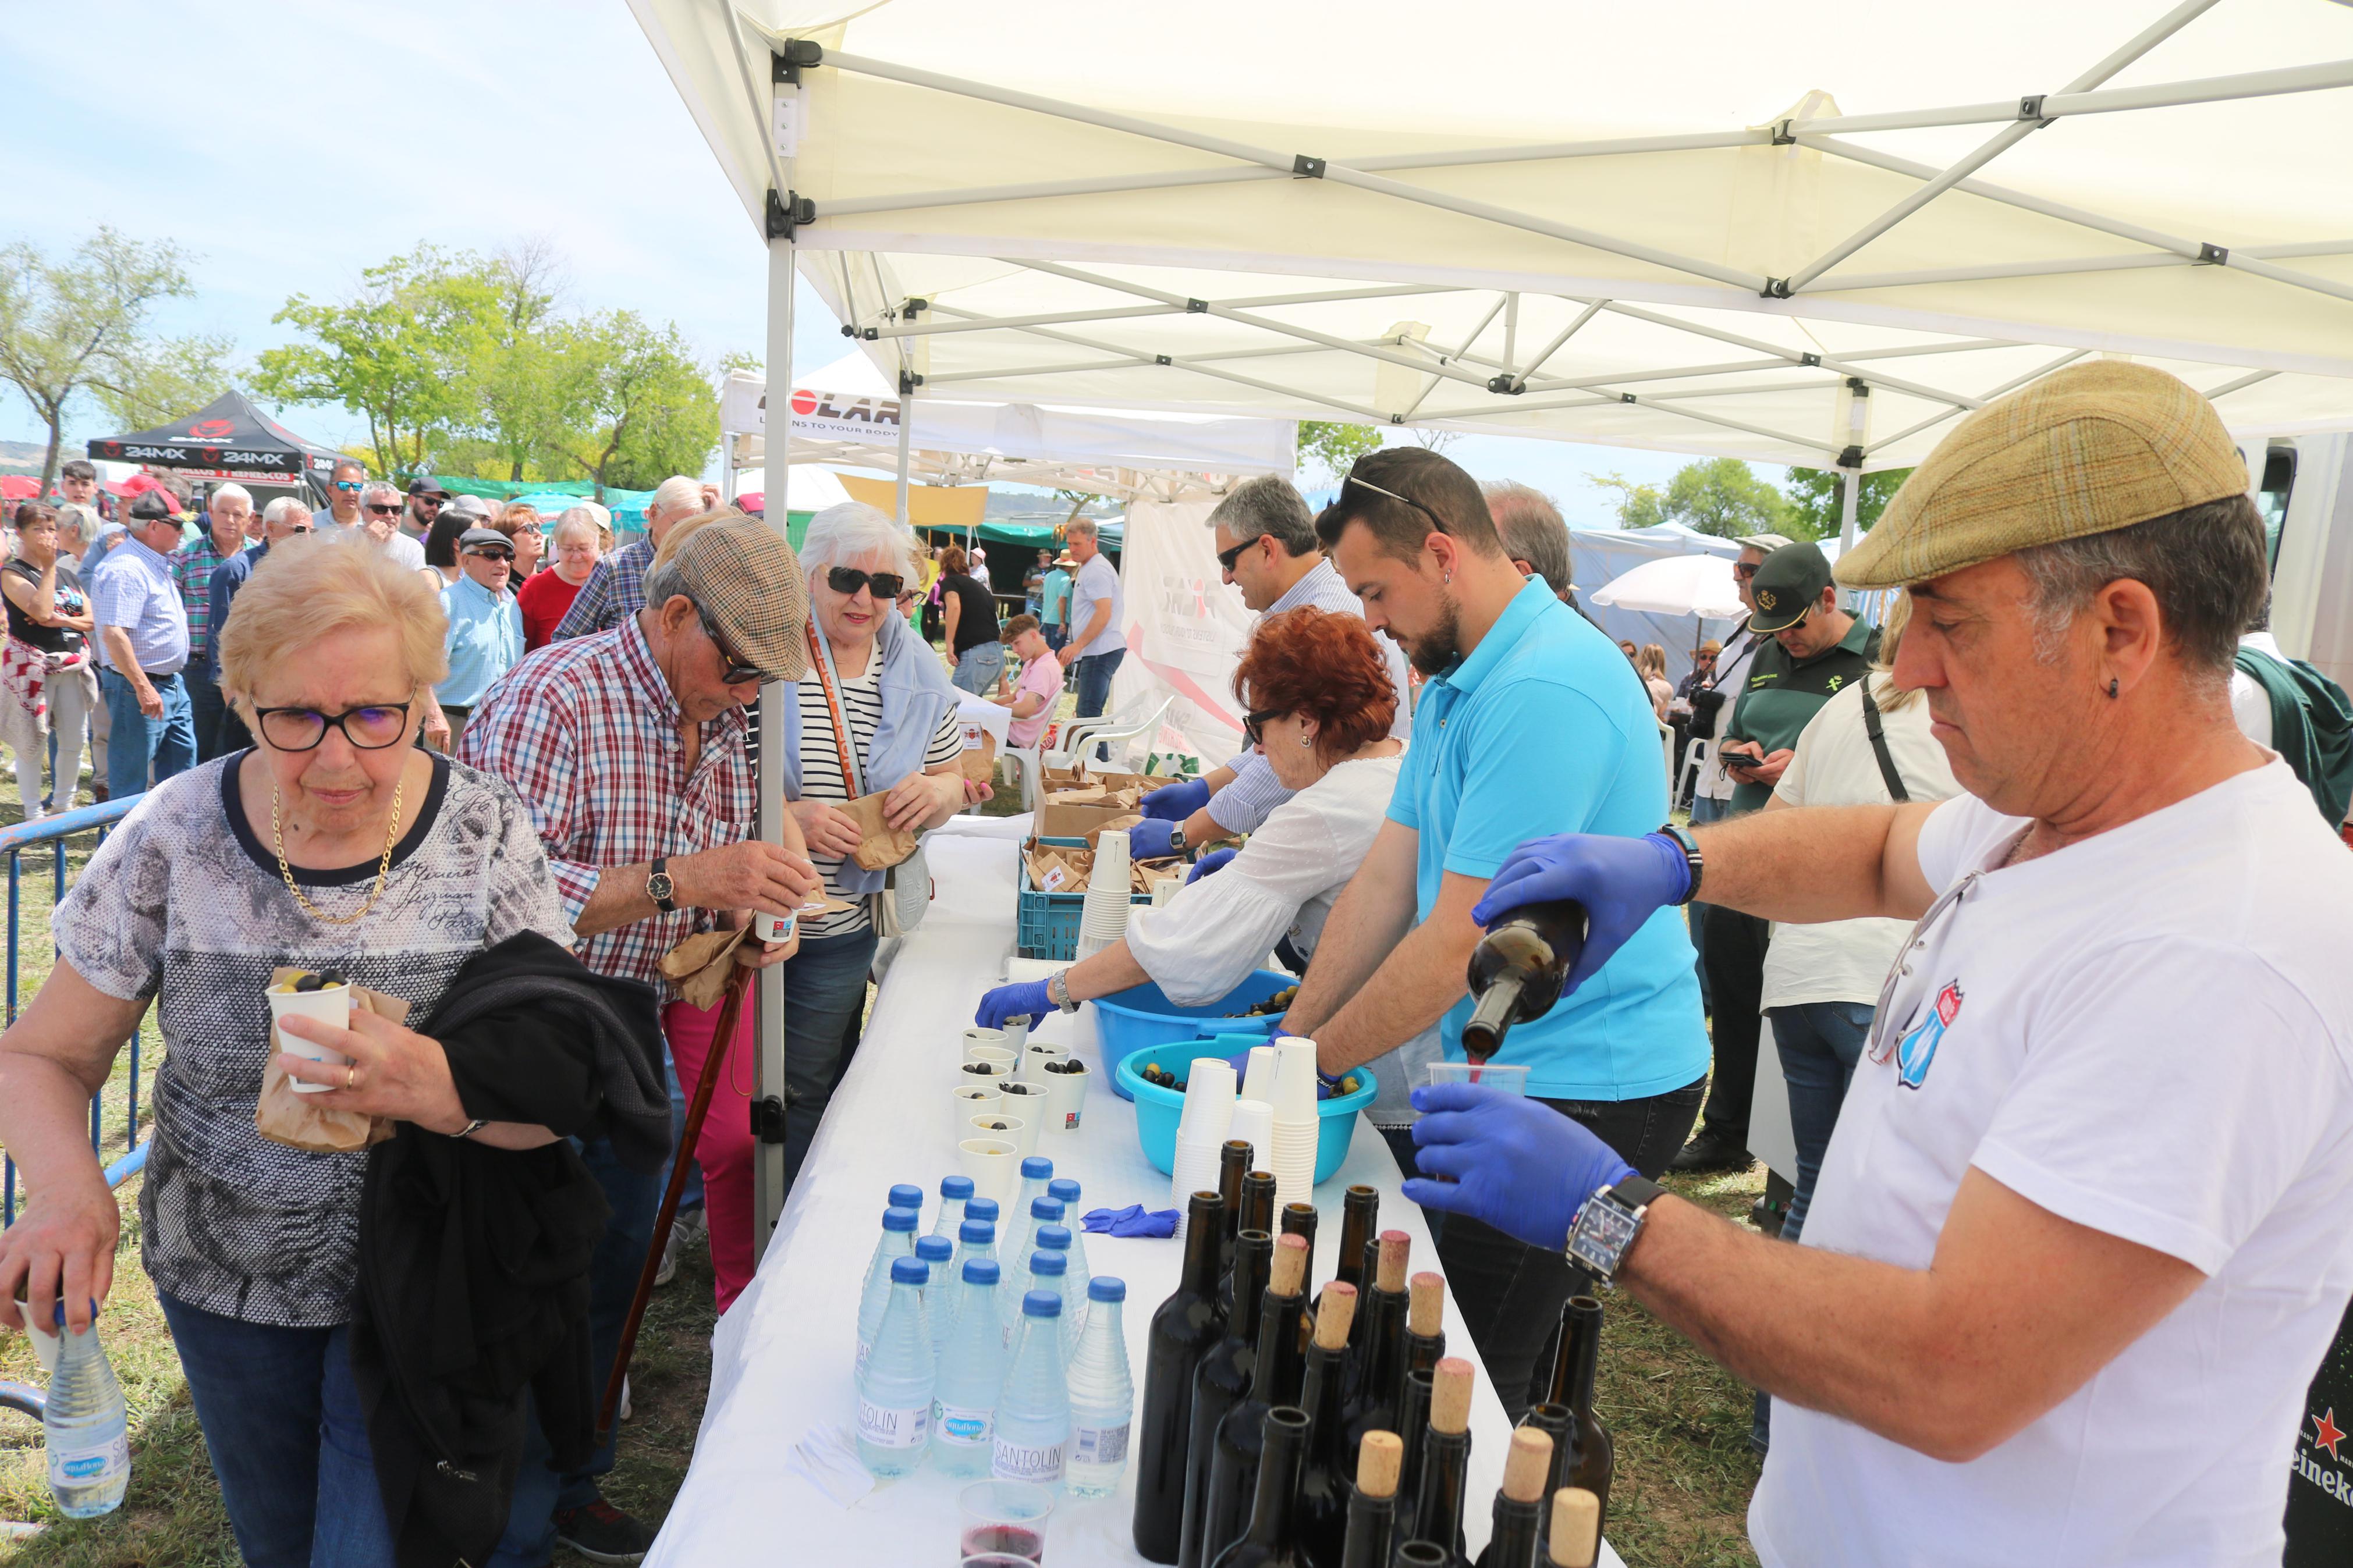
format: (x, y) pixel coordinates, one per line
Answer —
(1143, 1015)
(1158, 1110)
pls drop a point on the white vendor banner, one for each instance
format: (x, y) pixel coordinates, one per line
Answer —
(1186, 629)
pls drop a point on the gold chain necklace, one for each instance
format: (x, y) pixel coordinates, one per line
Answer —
(383, 869)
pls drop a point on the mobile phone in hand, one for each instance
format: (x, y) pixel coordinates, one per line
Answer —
(1743, 761)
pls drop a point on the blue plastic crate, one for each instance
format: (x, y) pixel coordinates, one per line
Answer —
(1046, 924)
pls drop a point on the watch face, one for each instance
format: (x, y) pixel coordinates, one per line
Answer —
(1602, 1235)
(657, 886)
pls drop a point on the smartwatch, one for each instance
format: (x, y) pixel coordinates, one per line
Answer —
(1608, 1224)
(1058, 991)
(660, 887)
(1177, 839)
(1692, 858)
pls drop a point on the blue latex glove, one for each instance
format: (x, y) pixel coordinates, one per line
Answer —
(1175, 803)
(1149, 839)
(1206, 866)
(1006, 1002)
(1621, 883)
(1516, 1163)
(1133, 1220)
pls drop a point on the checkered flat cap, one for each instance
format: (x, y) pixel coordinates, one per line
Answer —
(745, 576)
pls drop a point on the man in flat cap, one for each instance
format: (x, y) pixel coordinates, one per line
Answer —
(2079, 1242)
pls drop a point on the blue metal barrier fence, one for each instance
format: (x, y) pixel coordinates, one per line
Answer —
(53, 831)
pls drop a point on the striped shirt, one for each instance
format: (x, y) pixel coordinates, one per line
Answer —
(821, 773)
(615, 591)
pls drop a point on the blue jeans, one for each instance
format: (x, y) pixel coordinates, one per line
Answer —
(1820, 1042)
(205, 706)
(824, 994)
(978, 667)
(288, 1437)
(1093, 672)
(169, 741)
(1055, 636)
(1704, 809)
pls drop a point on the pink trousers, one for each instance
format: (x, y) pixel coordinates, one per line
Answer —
(724, 1146)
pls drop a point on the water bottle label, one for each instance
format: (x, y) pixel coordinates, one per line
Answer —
(960, 1428)
(887, 1428)
(89, 1467)
(1027, 1461)
(1099, 1445)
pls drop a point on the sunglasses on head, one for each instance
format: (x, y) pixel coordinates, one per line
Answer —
(1254, 725)
(850, 579)
(1436, 521)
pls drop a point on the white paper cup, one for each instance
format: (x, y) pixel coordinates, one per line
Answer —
(1035, 1058)
(1253, 1123)
(44, 1336)
(1259, 1083)
(978, 1037)
(1028, 1102)
(1017, 1033)
(991, 1072)
(766, 926)
(992, 1162)
(978, 1097)
(1501, 1078)
(1208, 1101)
(1066, 1097)
(329, 1004)
(1295, 1081)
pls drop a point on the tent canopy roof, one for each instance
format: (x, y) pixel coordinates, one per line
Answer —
(1689, 227)
(227, 433)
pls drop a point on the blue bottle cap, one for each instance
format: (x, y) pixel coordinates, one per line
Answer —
(910, 1271)
(980, 1271)
(976, 1233)
(1049, 1263)
(935, 1248)
(1063, 1189)
(1036, 1168)
(1105, 1288)
(1040, 1304)
(906, 1195)
(1055, 1238)
(954, 1187)
(898, 1218)
(1046, 1208)
(981, 1209)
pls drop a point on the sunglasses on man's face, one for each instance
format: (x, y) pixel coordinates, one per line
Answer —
(1744, 570)
(850, 579)
(349, 484)
(492, 554)
(380, 509)
(733, 670)
(1226, 558)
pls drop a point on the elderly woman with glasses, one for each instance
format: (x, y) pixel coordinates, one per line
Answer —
(877, 716)
(333, 845)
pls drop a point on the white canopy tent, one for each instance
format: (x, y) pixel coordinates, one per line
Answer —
(1710, 227)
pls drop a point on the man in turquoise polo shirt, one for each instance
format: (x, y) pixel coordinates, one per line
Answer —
(1529, 716)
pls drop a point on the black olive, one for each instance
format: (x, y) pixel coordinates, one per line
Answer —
(308, 982)
(332, 978)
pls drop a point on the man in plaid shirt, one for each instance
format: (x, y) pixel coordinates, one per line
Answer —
(231, 508)
(616, 589)
(626, 747)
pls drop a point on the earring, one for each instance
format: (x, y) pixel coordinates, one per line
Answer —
(1305, 742)
(2111, 688)
(1446, 578)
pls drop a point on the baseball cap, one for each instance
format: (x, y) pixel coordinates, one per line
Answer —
(427, 485)
(153, 506)
(469, 506)
(477, 538)
(2084, 450)
(1786, 586)
(743, 576)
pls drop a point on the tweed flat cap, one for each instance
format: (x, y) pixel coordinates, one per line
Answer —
(744, 575)
(2085, 449)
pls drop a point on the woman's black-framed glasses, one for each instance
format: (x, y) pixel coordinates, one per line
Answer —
(733, 670)
(850, 579)
(1254, 724)
(371, 728)
(1436, 520)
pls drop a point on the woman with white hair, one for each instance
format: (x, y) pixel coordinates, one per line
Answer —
(878, 717)
(546, 596)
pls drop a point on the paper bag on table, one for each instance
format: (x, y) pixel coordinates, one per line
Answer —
(880, 845)
(285, 1117)
(978, 761)
(1091, 794)
(1116, 825)
(1150, 874)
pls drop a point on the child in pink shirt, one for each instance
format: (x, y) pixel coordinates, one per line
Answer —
(1041, 680)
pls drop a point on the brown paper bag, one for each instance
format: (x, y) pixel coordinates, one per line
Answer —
(1116, 825)
(1150, 874)
(285, 1117)
(978, 760)
(880, 845)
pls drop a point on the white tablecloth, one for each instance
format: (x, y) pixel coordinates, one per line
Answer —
(782, 1356)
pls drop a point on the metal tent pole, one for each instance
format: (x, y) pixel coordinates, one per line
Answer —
(777, 708)
(906, 433)
(1850, 483)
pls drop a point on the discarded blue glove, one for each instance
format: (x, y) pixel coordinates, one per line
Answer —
(1027, 998)
(1133, 1220)
(1209, 864)
(1621, 883)
(1149, 840)
(1175, 803)
(1514, 1162)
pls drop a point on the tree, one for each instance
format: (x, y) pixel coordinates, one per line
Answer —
(78, 327)
(526, 402)
(165, 379)
(1334, 447)
(1639, 506)
(649, 410)
(1431, 438)
(1723, 497)
(1815, 503)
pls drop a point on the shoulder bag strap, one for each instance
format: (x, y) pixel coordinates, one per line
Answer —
(1871, 727)
(822, 657)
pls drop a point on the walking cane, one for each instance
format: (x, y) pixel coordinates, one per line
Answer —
(729, 1011)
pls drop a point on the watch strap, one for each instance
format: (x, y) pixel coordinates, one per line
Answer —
(1636, 1192)
(1692, 858)
(659, 878)
(475, 1125)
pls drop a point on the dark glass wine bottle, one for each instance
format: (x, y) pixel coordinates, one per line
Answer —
(1445, 1457)
(1556, 1422)
(1184, 1328)
(1324, 1483)
(1592, 1455)
(1360, 1212)
(1257, 1213)
(1423, 1555)
(1413, 1432)
(1298, 1220)
(1575, 1539)
(1233, 1164)
(1424, 1323)
(1274, 1380)
(1517, 971)
(1372, 1505)
(1377, 1365)
(1271, 1540)
(1519, 1521)
(1223, 1377)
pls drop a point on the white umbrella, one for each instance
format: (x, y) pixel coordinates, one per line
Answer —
(1699, 586)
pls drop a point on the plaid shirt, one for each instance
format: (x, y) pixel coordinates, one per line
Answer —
(615, 591)
(587, 733)
(192, 568)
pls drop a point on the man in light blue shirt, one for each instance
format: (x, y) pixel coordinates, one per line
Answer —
(1531, 721)
(485, 624)
(1054, 603)
(142, 633)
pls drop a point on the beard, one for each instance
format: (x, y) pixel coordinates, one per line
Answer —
(1434, 652)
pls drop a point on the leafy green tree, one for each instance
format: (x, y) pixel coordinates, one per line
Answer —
(77, 327)
(1724, 496)
(1815, 500)
(1639, 506)
(649, 410)
(1334, 445)
(527, 402)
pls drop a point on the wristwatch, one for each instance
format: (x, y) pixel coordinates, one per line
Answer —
(1692, 858)
(1608, 1224)
(475, 1125)
(660, 887)
(1058, 991)
(1177, 839)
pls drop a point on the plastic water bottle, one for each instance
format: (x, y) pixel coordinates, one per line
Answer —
(1064, 1191)
(894, 1387)
(1103, 1394)
(964, 1394)
(1078, 1276)
(82, 1427)
(907, 1196)
(954, 1193)
(975, 1238)
(1033, 1412)
(1043, 1211)
(898, 1241)
(1036, 1171)
(939, 1295)
(1054, 1241)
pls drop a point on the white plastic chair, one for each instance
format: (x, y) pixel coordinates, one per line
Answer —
(1079, 738)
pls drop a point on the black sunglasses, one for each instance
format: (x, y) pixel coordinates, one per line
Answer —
(734, 671)
(1254, 724)
(1744, 570)
(487, 553)
(382, 510)
(1436, 521)
(371, 728)
(850, 579)
(1226, 558)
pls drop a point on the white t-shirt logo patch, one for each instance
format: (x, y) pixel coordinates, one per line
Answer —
(1917, 1052)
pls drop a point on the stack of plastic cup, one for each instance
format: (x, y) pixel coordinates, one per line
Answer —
(1253, 1123)
(1258, 1083)
(1103, 918)
(1292, 1158)
(1200, 1131)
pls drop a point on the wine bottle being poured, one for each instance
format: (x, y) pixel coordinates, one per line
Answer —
(1517, 971)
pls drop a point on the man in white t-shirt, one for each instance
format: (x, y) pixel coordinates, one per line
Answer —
(2080, 1239)
(1097, 644)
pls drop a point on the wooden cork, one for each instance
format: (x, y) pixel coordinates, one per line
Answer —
(1576, 1527)
(1290, 1266)
(1450, 1395)
(1390, 1275)
(1378, 1458)
(1526, 1465)
(1425, 1311)
(1332, 1319)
